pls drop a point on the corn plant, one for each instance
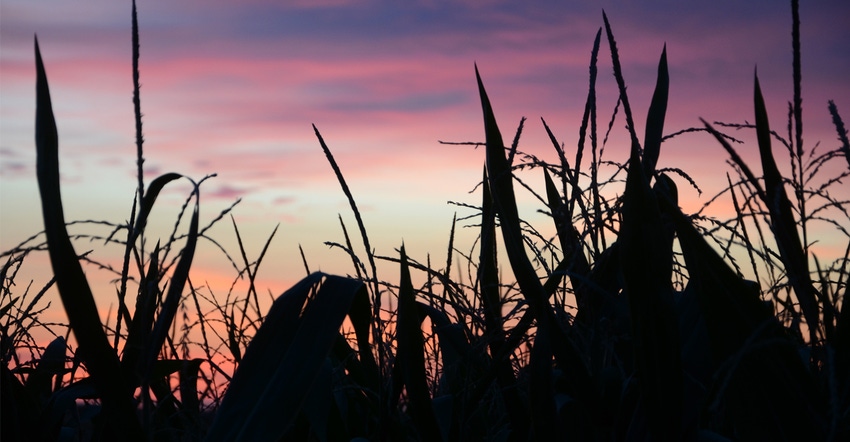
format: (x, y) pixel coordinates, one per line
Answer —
(142, 355)
(633, 322)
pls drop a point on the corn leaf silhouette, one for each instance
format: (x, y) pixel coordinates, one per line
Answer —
(93, 347)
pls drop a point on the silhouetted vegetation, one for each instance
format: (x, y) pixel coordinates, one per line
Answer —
(634, 322)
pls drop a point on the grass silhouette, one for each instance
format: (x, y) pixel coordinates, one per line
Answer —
(634, 322)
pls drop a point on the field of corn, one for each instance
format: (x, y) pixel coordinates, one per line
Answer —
(633, 322)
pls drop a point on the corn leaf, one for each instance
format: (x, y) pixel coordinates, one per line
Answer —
(172, 299)
(409, 368)
(492, 302)
(52, 363)
(655, 118)
(782, 222)
(154, 188)
(139, 333)
(751, 349)
(488, 278)
(500, 178)
(281, 363)
(93, 347)
(576, 263)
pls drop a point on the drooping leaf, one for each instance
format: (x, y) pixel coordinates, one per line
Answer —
(154, 188)
(753, 353)
(281, 363)
(52, 363)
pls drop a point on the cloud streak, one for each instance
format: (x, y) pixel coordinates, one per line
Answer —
(233, 88)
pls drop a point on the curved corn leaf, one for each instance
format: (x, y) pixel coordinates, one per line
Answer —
(318, 404)
(500, 179)
(150, 197)
(576, 263)
(281, 363)
(51, 363)
(751, 348)
(455, 348)
(93, 347)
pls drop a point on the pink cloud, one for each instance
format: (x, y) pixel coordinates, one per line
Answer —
(224, 94)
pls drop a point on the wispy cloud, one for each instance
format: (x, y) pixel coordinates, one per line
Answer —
(233, 87)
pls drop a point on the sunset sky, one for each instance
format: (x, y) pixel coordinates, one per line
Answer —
(233, 87)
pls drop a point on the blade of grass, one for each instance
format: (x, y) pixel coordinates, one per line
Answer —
(252, 274)
(449, 260)
(570, 176)
(488, 278)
